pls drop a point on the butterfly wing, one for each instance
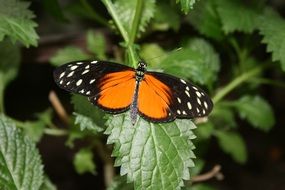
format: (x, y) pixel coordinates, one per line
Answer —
(108, 85)
(171, 98)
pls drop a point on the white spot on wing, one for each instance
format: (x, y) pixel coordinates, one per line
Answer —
(84, 72)
(91, 81)
(94, 62)
(70, 74)
(189, 105)
(73, 67)
(87, 67)
(198, 94)
(204, 111)
(78, 82)
(183, 81)
(178, 111)
(68, 83)
(206, 105)
(197, 110)
(61, 82)
(187, 88)
(184, 112)
(79, 63)
(179, 100)
(81, 91)
(187, 93)
(198, 100)
(194, 88)
(62, 74)
(88, 92)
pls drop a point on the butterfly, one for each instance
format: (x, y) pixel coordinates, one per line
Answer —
(116, 88)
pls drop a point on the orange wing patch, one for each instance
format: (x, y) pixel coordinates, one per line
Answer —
(154, 99)
(117, 90)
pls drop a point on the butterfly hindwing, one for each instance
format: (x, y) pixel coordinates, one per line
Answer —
(186, 99)
(103, 82)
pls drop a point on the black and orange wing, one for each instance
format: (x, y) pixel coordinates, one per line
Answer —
(108, 85)
(163, 98)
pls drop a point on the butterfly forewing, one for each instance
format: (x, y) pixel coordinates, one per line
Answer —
(103, 82)
(186, 99)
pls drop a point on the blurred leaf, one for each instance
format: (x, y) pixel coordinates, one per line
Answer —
(152, 154)
(120, 183)
(47, 185)
(233, 144)
(90, 116)
(166, 17)
(9, 66)
(16, 22)
(153, 54)
(201, 186)
(35, 129)
(257, 111)
(9, 62)
(206, 20)
(68, 54)
(211, 59)
(204, 130)
(86, 123)
(83, 161)
(236, 16)
(199, 165)
(20, 162)
(198, 61)
(96, 44)
(126, 10)
(223, 116)
(186, 5)
(272, 28)
(54, 9)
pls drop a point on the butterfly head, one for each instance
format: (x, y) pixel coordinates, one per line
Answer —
(141, 69)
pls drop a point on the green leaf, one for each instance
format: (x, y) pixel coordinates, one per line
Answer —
(272, 28)
(47, 184)
(86, 123)
(153, 54)
(186, 5)
(199, 165)
(88, 116)
(257, 111)
(204, 130)
(233, 144)
(206, 20)
(68, 54)
(223, 116)
(54, 9)
(120, 183)
(166, 17)
(9, 65)
(83, 161)
(236, 16)
(198, 61)
(126, 10)
(96, 44)
(20, 162)
(155, 156)
(16, 22)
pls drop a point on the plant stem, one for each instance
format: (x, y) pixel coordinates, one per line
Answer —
(111, 9)
(136, 21)
(236, 82)
(93, 14)
(55, 132)
(2, 110)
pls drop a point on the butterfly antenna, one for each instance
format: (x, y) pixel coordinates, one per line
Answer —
(172, 51)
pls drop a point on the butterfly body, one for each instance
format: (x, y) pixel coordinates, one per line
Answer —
(116, 88)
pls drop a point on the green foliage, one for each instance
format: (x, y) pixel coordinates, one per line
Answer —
(96, 44)
(20, 162)
(120, 183)
(156, 156)
(126, 9)
(186, 5)
(47, 184)
(197, 61)
(206, 19)
(68, 54)
(236, 16)
(83, 161)
(272, 27)
(233, 144)
(257, 111)
(201, 187)
(16, 22)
